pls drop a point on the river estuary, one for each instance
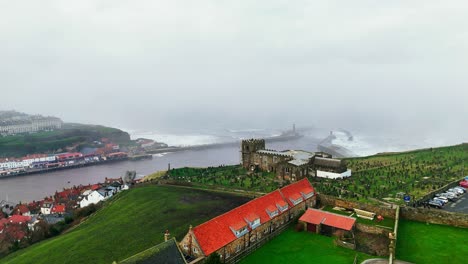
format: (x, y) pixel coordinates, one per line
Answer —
(37, 186)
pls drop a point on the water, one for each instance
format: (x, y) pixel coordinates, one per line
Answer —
(37, 186)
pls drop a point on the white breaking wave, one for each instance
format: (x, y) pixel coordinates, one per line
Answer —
(178, 140)
(370, 145)
(160, 154)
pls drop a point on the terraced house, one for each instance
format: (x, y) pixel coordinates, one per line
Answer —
(234, 232)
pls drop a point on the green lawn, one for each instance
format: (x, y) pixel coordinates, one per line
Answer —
(129, 223)
(428, 243)
(303, 247)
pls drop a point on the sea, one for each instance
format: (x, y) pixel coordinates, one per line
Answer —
(37, 186)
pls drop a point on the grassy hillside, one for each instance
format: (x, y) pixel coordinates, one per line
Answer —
(50, 141)
(383, 176)
(131, 222)
(427, 243)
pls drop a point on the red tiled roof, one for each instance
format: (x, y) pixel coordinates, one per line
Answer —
(238, 225)
(295, 196)
(216, 233)
(307, 190)
(272, 208)
(21, 209)
(95, 187)
(69, 155)
(3, 221)
(281, 203)
(294, 190)
(316, 217)
(59, 208)
(16, 219)
(252, 217)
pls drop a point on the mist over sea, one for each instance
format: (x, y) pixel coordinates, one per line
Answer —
(37, 186)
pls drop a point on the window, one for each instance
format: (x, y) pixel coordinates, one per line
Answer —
(238, 248)
(185, 246)
(195, 250)
(228, 255)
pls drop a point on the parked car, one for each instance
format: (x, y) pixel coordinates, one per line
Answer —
(451, 195)
(447, 196)
(464, 184)
(443, 200)
(436, 204)
(460, 188)
(460, 192)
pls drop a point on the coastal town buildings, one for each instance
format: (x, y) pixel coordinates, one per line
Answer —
(232, 233)
(12, 122)
(290, 165)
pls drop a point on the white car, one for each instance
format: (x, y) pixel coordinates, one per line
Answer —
(455, 190)
(441, 199)
(460, 188)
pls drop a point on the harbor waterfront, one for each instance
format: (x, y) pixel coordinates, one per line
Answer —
(37, 186)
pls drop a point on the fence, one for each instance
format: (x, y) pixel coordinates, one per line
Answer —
(254, 246)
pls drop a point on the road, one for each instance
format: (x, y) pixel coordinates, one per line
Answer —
(460, 206)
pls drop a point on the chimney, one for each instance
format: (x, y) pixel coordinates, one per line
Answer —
(166, 235)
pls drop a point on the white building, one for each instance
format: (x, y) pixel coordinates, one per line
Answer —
(333, 175)
(46, 208)
(93, 197)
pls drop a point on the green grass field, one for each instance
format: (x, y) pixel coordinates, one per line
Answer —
(383, 176)
(303, 247)
(129, 223)
(428, 243)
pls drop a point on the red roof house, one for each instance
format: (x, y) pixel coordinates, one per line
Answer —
(297, 192)
(220, 231)
(58, 209)
(318, 217)
(21, 209)
(19, 219)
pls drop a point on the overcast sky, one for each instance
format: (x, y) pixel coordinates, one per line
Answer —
(371, 65)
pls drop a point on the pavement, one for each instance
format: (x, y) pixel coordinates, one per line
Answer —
(460, 206)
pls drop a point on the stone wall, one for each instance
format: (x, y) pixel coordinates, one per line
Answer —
(323, 199)
(434, 216)
(372, 229)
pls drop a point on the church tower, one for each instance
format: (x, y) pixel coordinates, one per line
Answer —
(248, 148)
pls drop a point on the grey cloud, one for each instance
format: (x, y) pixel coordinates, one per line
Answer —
(363, 65)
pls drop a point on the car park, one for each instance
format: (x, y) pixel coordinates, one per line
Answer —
(436, 204)
(443, 200)
(464, 184)
(451, 196)
(460, 188)
(454, 190)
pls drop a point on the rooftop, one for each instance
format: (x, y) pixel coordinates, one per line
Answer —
(316, 217)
